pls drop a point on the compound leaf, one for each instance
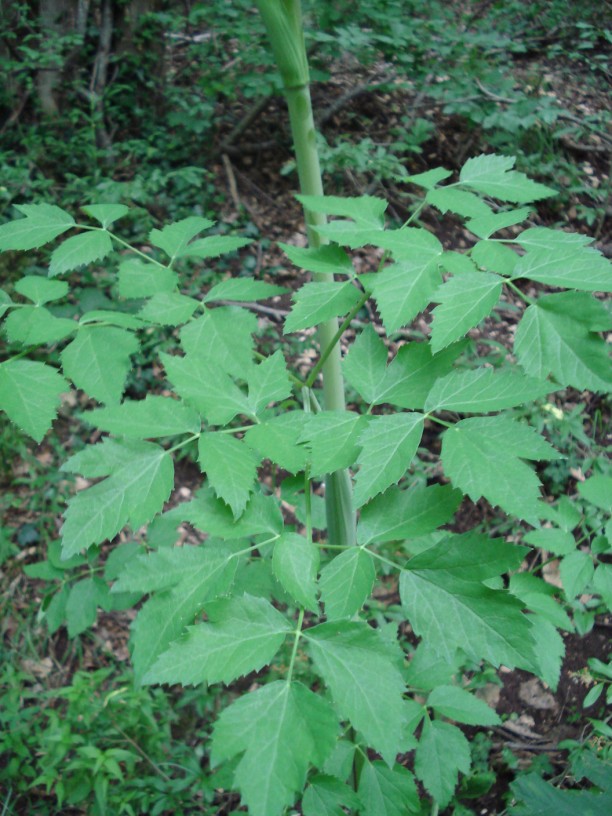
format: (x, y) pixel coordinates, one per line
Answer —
(30, 394)
(346, 583)
(459, 705)
(412, 373)
(276, 439)
(318, 301)
(493, 176)
(174, 238)
(324, 260)
(442, 753)
(484, 389)
(80, 250)
(168, 308)
(144, 419)
(404, 289)
(98, 361)
(231, 468)
(268, 382)
(295, 562)
(222, 337)
(106, 214)
(138, 279)
(464, 300)
(31, 325)
(365, 366)
(387, 791)
(332, 437)
(42, 223)
(568, 264)
(41, 290)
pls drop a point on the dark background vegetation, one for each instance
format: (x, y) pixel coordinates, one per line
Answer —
(174, 108)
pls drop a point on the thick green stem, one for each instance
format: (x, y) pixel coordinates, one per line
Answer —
(283, 20)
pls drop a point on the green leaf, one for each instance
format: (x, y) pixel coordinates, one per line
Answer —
(167, 567)
(133, 493)
(387, 791)
(138, 279)
(430, 178)
(242, 635)
(365, 366)
(353, 659)
(486, 225)
(412, 373)
(389, 444)
(459, 705)
(450, 199)
(416, 246)
(213, 246)
(144, 419)
(213, 516)
(81, 606)
(276, 439)
(549, 650)
(495, 256)
(80, 250)
(324, 260)
(332, 438)
(279, 729)
(602, 583)
(319, 301)
(31, 325)
(163, 617)
(494, 176)
(398, 514)
(200, 383)
(5, 302)
(106, 214)
(366, 211)
(268, 382)
(482, 457)
(295, 563)
(484, 389)
(570, 266)
(547, 342)
(242, 290)
(346, 583)
(451, 609)
(41, 290)
(327, 796)
(576, 571)
(29, 395)
(98, 361)
(598, 491)
(559, 542)
(169, 308)
(464, 301)
(539, 798)
(231, 468)
(442, 753)
(174, 238)
(42, 223)
(405, 289)
(552, 239)
(223, 337)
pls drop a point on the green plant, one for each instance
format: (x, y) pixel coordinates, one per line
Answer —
(290, 597)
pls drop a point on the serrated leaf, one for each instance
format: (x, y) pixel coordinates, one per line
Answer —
(547, 342)
(412, 373)
(5, 302)
(365, 366)
(552, 239)
(571, 266)
(494, 176)
(268, 382)
(81, 606)
(42, 223)
(482, 457)
(107, 317)
(410, 244)
(539, 798)
(276, 439)
(106, 214)
(103, 459)
(598, 491)
(430, 178)
(405, 289)
(346, 583)
(133, 493)
(98, 361)
(295, 563)
(242, 290)
(212, 392)
(213, 246)
(41, 290)
(138, 279)
(388, 444)
(332, 437)
(482, 390)
(464, 300)
(230, 466)
(223, 337)
(582, 307)
(317, 302)
(324, 260)
(284, 723)
(576, 571)
(549, 650)
(450, 199)
(559, 542)
(442, 753)
(471, 556)
(456, 263)
(364, 210)
(353, 659)
(486, 225)
(169, 309)
(399, 514)
(241, 635)
(30, 394)
(453, 611)
(31, 325)
(327, 796)
(387, 791)
(144, 419)
(80, 250)
(169, 566)
(211, 515)
(495, 257)
(174, 238)
(459, 705)
(163, 617)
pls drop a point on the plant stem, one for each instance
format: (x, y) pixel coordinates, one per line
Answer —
(298, 635)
